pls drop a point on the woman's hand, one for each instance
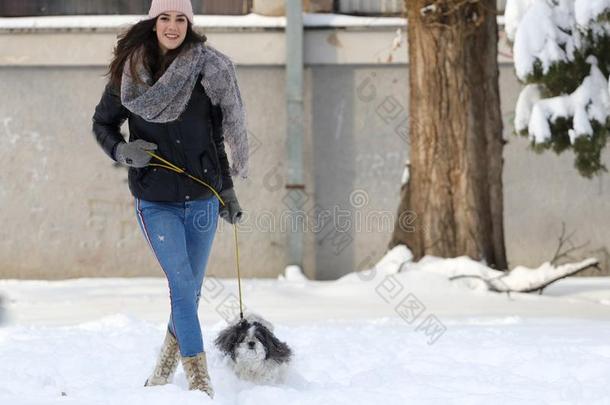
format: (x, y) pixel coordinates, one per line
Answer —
(134, 153)
(231, 211)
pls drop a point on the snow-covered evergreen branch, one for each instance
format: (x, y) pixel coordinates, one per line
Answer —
(562, 54)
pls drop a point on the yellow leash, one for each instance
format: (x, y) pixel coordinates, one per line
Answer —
(171, 166)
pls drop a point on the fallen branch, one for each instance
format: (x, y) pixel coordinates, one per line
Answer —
(526, 280)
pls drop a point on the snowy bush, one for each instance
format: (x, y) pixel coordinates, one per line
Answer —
(562, 54)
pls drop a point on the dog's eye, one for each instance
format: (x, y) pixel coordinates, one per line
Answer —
(260, 335)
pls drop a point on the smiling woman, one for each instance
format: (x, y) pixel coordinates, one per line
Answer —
(171, 30)
(158, 40)
(182, 101)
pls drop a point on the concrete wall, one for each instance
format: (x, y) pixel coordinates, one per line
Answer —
(66, 210)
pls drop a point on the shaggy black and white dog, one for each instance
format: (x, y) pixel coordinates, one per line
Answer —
(253, 351)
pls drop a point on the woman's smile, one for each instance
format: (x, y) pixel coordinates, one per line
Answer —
(171, 28)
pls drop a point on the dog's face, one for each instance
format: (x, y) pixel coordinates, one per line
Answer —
(251, 344)
(250, 341)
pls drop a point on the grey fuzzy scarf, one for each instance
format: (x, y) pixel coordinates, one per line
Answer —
(166, 99)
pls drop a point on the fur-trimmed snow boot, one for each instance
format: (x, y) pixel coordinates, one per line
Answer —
(166, 363)
(196, 370)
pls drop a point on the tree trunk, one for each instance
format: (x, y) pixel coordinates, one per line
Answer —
(452, 204)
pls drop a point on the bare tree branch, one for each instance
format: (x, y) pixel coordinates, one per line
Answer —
(561, 252)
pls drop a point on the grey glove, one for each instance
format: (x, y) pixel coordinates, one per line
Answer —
(231, 211)
(134, 154)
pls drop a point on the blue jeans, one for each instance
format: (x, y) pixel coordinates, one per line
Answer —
(181, 236)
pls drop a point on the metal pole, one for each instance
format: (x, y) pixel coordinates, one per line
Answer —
(294, 125)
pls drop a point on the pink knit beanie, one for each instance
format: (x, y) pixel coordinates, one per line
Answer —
(161, 6)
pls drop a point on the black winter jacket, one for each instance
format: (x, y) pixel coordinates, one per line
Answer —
(194, 142)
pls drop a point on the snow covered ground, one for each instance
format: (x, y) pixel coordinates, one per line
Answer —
(368, 338)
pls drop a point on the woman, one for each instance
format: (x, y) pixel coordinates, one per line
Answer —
(182, 101)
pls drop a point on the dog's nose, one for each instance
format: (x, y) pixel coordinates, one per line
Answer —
(251, 345)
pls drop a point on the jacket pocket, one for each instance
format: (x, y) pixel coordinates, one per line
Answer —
(216, 158)
(142, 176)
(135, 175)
(138, 172)
(210, 169)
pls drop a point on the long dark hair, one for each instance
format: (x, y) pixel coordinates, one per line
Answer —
(141, 40)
